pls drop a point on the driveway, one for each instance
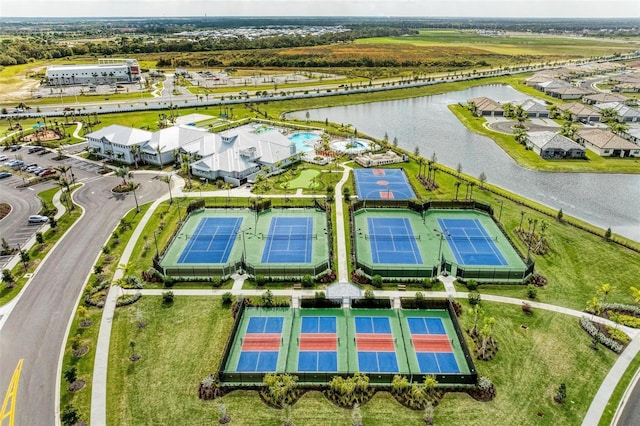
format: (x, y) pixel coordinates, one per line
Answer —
(36, 328)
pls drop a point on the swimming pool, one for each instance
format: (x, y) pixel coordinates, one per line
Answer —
(304, 141)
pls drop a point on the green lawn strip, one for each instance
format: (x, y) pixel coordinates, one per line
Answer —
(528, 369)
(531, 160)
(621, 387)
(81, 400)
(39, 251)
(180, 345)
(183, 343)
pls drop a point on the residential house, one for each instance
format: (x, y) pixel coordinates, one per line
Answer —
(625, 113)
(600, 98)
(486, 107)
(606, 144)
(551, 145)
(570, 92)
(632, 134)
(579, 112)
(533, 108)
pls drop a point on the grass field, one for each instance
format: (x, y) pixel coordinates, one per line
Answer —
(183, 343)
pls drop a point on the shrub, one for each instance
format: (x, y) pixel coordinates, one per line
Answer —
(532, 291)
(7, 277)
(261, 280)
(210, 388)
(376, 281)
(266, 300)
(598, 336)
(618, 335)
(427, 283)
(307, 281)
(39, 237)
(346, 392)
(526, 308)
(216, 282)
(131, 282)
(472, 285)
(128, 299)
(227, 299)
(152, 275)
(474, 299)
(629, 321)
(280, 390)
(561, 395)
(368, 294)
(167, 297)
(71, 375)
(69, 416)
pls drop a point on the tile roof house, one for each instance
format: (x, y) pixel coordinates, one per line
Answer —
(568, 92)
(579, 112)
(599, 98)
(551, 145)
(486, 107)
(607, 144)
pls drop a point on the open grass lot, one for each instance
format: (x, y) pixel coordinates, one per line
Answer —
(183, 343)
(512, 44)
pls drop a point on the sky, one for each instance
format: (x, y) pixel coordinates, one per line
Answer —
(418, 8)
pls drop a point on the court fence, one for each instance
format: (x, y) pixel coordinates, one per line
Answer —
(250, 379)
(488, 274)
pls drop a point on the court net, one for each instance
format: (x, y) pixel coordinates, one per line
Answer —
(391, 237)
(292, 236)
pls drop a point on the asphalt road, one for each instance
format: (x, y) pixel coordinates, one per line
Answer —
(630, 416)
(36, 328)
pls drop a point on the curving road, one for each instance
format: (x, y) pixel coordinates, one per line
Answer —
(36, 328)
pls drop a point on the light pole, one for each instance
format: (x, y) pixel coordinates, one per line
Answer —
(441, 235)
(500, 213)
(135, 197)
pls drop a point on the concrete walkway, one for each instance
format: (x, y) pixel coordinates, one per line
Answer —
(343, 270)
(599, 403)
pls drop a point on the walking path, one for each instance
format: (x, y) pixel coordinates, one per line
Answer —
(99, 385)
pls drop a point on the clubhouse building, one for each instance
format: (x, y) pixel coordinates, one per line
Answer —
(234, 155)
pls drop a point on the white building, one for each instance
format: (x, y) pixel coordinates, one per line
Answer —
(233, 155)
(107, 71)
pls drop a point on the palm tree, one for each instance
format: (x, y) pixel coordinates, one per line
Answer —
(568, 129)
(123, 172)
(472, 184)
(520, 135)
(457, 185)
(159, 154)
(135, 150)
(618, 127)
(521, 116)
(521, 220)
(604, 289)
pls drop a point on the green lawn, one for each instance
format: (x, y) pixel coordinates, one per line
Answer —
(621, 387)
(183, 343)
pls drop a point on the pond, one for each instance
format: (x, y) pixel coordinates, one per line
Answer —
(426, 122)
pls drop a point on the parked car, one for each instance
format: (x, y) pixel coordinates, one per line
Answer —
(4, 175)
(37, 170)
(47, 172)
(3, 158)
(26, 167)
(36, 218)
(35, 149)
(16, 164)
(15, 147)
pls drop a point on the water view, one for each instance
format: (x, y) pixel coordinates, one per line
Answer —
(602, 199)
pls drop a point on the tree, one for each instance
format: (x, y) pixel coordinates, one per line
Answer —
(520, 136)
(123, 172)
(594, 306)
(71, 375)
(135, 150)
(459, 169)
(7, 277)
(457, 185)
(607, 234)
(482, 178)
(560, 215)
(69, 416)
(416, 151)
(395, 142)
(568, 129)
(561, 395)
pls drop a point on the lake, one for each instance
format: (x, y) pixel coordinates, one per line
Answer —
(606, 200)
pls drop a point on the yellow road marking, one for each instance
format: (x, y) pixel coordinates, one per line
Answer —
(12, 393)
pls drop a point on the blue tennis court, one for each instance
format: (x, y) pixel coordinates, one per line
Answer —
(372, 325)
(265, 325)
(318, 361)
(318, 325)
(424, 325)
(382, 184)
(258, 361)
(289, 240)
(392, 241)
(470, 243)
(211, 241)
(377, 362)
(437, 362)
